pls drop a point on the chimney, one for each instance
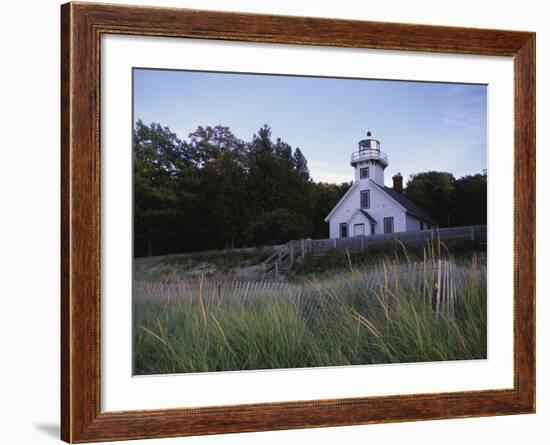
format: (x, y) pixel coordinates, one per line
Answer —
(398, 183)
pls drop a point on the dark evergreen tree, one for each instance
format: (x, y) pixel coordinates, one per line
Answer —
(300, 165)
(278, 179)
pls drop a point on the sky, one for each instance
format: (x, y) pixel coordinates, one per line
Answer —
(421, 126)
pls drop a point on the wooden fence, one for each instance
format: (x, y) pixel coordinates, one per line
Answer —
(286, 255)
(360, 244)
(440, 282)
(215, 291)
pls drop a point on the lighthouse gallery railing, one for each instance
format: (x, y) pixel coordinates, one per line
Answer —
(369, 154)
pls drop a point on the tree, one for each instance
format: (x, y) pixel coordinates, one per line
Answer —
(223, 190)
(278, 178)
(470, 200)
(263, 177)
(276, 227)
(450, 201)
(206, 143)
(162, 183)
(433, 192)
(326, 196)
(300, 165)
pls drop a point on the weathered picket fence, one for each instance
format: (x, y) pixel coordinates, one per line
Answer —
(440, 282)
(215, 291)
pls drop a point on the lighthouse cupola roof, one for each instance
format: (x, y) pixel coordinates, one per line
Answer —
(369, 143)
(369, 150)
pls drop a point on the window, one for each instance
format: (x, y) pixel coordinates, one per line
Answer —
(343, 230)
(372, 228)
(359, 229)
(388, 224)
(365, 199)
(421, 225)
(364, 173)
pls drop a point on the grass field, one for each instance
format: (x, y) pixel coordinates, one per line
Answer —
(401, 310)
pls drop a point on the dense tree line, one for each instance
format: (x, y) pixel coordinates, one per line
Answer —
(451, 202)
(215, 191)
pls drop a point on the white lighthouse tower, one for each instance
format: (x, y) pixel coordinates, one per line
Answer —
(369, 162)
(371, 208)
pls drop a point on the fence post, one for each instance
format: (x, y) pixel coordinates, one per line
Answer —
(362, 244)
(291, 253)
(472, 233)
(303, 245)
(334, 243)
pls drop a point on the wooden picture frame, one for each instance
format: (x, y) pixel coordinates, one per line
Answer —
(82, 26)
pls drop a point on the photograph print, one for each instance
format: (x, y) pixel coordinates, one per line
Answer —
(299, 222)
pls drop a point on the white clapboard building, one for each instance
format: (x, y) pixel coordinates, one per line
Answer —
(369, 207)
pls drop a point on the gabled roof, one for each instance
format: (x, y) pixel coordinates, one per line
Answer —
(370, 218)
(342, 199)
(410, 207)
(364, 213)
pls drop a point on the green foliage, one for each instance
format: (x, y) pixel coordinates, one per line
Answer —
(432, 191)
(450, 201)
(164, 182)
(326, 196)
(277, 180)
(470, 200)
(217, 191)
(222, 196)
(278, 227)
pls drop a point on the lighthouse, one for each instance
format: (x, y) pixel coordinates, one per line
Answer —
(369, 207)
(369, 162)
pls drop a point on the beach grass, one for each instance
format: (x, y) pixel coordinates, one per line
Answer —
(401, 311)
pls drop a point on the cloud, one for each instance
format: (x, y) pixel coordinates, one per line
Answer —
(322, 171)
(459, 143)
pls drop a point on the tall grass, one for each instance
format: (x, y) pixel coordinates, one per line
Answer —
(401, 311)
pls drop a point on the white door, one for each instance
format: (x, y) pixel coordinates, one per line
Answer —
(359, 229)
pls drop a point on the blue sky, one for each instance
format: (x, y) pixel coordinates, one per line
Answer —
(421, 125)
